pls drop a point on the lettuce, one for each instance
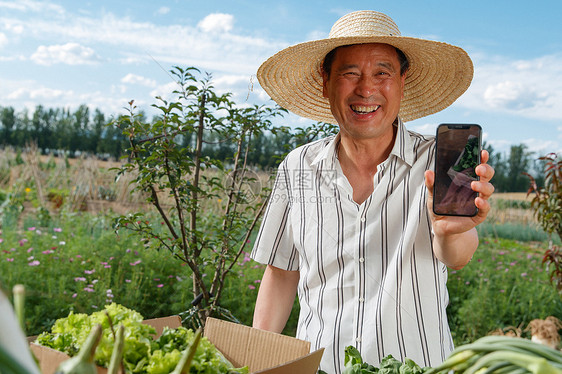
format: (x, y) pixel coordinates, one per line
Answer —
(69, 333)
(354, 364)
(142, 353)
(207, 360)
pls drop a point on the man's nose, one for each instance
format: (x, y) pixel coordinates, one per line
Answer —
(366, 86)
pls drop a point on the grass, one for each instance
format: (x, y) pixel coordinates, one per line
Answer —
(69, 258)
(511, 217)
(515, 231)
(78, 263)
(505, 285)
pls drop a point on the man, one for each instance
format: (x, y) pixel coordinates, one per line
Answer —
(349, 224)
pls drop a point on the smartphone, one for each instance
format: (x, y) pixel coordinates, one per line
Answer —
(457, 153)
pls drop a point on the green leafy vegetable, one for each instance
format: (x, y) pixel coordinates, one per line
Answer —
(502, 354)
(354, 364)
(69, 334)
(207, 360)
(142, 353)
(469, 159)
(83, 362)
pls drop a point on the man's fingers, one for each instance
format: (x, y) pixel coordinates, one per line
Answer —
(429, 180)
(484, 156)
(485, 172)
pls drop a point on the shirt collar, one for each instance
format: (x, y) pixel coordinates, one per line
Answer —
(402, 148)
(329, 152)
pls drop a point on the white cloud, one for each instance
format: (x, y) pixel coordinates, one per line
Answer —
(260, 93)
(529, 88)
(242, 88)
(28, 94)
(44, 94)
(118, 88)
(69, 53)
(230, 80)
(133, 60)
(41, 94)
(232, 58)
(511, 95)
(31, 6)
(424, 129)
(174, 44)
(12, 25)
(226, 83)
(316, 35)
(164, 90)
(17, 94)
(217, 23)
(12, 58)
(137, 79)
(540, 146)
(163, 10)
(3, 39)
(500, 146)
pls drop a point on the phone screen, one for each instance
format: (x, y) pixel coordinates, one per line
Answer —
(456, 157)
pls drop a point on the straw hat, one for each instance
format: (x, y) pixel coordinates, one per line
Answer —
(439, 72)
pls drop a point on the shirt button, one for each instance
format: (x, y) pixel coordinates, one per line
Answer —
(363, 219)
(361, 259)
(361, 299)
(358, 340)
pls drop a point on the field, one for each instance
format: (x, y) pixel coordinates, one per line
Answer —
(57, 239)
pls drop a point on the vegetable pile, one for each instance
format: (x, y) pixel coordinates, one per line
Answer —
(487, 355)
(141, 352)
(117, 337)
(389, 365)
(502, 354)
(469, 159)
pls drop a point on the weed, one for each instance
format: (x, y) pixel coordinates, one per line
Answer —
(504, 285)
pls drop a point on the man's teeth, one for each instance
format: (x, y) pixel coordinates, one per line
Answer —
(364, 109)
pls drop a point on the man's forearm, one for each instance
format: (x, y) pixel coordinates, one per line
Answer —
(456, 250)
(275, 300)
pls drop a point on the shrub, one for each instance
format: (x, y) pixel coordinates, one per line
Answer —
(547, 205)
(504, 285)
(167, 160)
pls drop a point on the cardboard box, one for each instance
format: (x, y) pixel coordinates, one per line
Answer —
(262, 351)
(50, 359)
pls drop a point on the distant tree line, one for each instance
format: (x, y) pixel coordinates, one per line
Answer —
(510, 166)
(61, 131)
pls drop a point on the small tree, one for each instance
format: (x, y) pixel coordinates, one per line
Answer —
(547, 205)
(208, 207)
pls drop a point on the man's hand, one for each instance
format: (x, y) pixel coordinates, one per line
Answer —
(455, 239)
(446, 225)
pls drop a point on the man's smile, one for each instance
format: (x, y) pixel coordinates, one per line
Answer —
(360, 109)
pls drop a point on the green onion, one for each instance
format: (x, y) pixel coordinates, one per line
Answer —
(19, 301)
(83, 362)
(185, 361)
(117, 353)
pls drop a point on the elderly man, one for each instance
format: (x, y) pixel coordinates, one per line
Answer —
(349, 224)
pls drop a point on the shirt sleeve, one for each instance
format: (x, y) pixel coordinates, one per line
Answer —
(274, 243)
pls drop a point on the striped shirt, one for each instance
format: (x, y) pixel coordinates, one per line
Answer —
(368, 275)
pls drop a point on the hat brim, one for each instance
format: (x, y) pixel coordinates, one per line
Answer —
(439, 73)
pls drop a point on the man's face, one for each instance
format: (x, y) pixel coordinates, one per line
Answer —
(365, 89)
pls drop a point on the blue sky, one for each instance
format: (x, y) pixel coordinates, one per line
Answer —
(105, 53)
